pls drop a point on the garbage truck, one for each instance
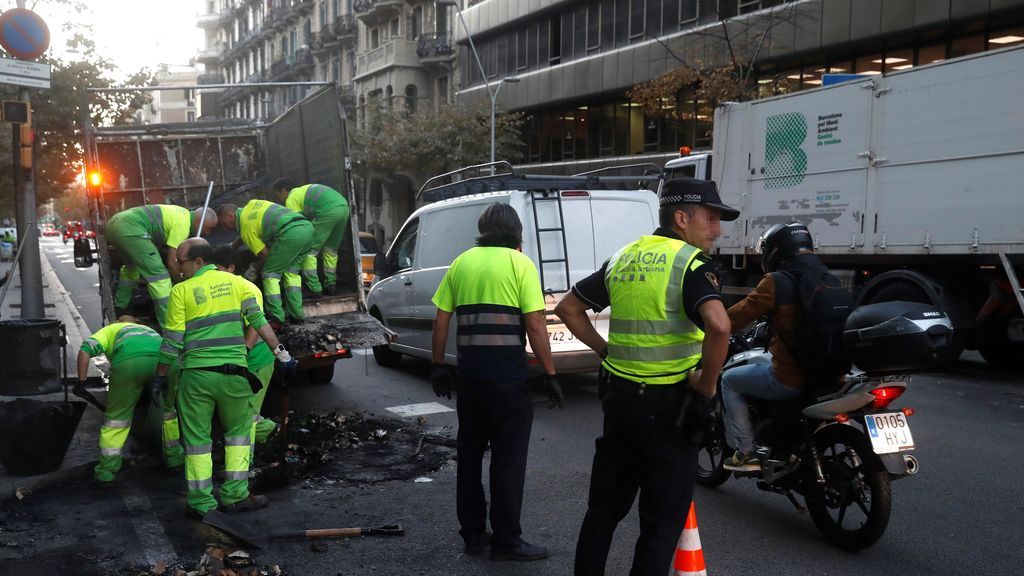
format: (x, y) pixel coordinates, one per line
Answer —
(912, 185)
(234, 160)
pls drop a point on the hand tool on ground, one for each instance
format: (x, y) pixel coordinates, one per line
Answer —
(247, 535)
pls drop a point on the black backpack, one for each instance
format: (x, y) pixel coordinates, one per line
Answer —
(823, 304)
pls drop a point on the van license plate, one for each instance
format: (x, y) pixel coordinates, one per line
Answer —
(889, 432)
(560, 335)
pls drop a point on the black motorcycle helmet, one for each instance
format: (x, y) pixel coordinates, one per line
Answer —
(782, 242)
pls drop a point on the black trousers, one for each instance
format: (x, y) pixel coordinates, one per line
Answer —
(640, 451)
(499, 412)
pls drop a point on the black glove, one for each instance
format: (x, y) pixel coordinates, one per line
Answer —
(441, 380)
(158, 385)
(555, 395)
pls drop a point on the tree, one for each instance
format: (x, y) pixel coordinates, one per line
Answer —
(736, 43)
(426, 143)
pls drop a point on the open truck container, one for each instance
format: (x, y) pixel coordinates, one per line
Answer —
(175, 164)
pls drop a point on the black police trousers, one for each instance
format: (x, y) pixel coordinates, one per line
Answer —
(640, 451)
(499, 412)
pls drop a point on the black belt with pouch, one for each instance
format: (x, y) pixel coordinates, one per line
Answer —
(235, 370)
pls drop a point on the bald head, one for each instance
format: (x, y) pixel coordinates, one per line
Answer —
(192, 255)
(209, 222)
(226, 215)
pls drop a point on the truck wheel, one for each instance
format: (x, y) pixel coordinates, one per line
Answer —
(321, 374)
(995, 347)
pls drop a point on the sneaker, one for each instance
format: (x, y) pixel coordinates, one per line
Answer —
(523, 552)
(742, 462)
(475, 544)
(253, 502)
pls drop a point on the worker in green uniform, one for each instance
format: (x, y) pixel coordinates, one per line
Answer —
(260, 359)
(666, 321)
(280, 240)
(205, 330)
(140, 234)
(133, 350)
(327, 209)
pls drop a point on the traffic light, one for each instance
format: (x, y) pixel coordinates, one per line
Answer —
(16, 112)
(95, 179)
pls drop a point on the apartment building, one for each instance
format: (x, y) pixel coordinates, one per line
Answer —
(169, 106)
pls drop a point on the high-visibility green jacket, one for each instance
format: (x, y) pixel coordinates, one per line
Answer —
(306, 200)
(650, 338)
(166, 224)
(122, 341)
(259, 355)
(205, 317)
(259, 221)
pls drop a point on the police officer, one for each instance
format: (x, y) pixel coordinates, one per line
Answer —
(327, 209)
(494, 292)
(205, 329)
(280, 239)
(133, 350)
(666, 316)
(140, 234)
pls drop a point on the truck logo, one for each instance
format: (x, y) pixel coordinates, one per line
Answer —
(784, 161)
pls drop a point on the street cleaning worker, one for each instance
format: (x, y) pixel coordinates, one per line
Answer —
(140, 234)
(494, 292)
(205, 330)
(132, 350)
(327, 209)
(260, 359)
(667, 319)
(280, 239)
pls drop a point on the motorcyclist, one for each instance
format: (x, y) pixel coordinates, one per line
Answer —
(787, 252)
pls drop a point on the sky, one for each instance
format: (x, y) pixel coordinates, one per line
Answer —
(132, 33)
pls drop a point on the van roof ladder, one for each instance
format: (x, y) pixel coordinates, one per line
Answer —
(548, 195)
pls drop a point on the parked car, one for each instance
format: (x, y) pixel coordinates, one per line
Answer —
(571, 224)
(368, 251)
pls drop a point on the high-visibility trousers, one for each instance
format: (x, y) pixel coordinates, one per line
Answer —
(284, 261)
(127, 279)
(134, 245)
(261, 427)
(329, 225)
(128, 378)
(170, 431)
(200, 392)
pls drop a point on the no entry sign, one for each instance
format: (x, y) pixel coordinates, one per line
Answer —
(23, 33)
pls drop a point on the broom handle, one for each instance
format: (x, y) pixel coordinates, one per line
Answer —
(333, 532)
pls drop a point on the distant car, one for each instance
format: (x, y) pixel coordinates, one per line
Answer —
(368, 251)
(50, 230)
(73, 230)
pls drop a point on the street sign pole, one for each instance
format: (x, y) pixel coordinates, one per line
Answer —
(31, 269)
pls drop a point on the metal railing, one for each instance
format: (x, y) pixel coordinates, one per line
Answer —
(434, 46)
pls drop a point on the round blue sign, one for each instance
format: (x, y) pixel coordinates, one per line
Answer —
(23, 33)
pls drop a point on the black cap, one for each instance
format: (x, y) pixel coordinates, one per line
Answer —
(692, 191)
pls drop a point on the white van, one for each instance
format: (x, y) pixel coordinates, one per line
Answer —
(571, 225)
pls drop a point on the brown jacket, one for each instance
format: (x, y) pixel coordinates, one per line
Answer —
(764, 300)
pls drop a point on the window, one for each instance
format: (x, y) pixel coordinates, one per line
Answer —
(544, 43)
(374, 37)
(1004, 38)
(929, 54)
(441, 20)
(502, 49)
(323, 16)
(897, 60)
(405, 247)
(608, 24)
(531, 47)
(394, 28)
(566, 36)
(521, 49)
(190, 116)
(621, 23)
(410, 98)
(968, 45)
(636, 18)
(653, 25)
(593, 27)
(579, 32)
(417, 22)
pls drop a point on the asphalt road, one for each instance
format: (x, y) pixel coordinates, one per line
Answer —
(82, 283)
(962, 514)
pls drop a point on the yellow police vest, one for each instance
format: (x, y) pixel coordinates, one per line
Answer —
(650, 338)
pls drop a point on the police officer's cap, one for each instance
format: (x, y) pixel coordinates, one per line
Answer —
(693, 191)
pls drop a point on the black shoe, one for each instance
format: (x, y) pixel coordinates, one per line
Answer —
(193, 514)
(475, 544)
(524, 552)
(253, 502)
(104, 484)
(330, 290)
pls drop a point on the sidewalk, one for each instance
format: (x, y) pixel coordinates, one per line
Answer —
(84, 449)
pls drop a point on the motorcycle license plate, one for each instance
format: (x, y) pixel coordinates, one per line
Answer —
(889, 432)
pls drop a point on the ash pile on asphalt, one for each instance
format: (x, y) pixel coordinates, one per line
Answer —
(216, 561)
(348, 448)
(352, 330)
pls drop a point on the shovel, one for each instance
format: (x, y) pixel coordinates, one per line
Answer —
(244, 534)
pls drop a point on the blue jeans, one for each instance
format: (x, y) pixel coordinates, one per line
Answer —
(754, 380)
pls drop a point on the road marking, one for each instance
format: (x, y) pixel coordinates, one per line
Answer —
(155, 546)
(420, 409)
(362, 352)
(66, 260)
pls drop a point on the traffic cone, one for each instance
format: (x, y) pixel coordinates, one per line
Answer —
(689, 555)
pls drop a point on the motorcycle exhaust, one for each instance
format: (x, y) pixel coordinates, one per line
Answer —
(911, 463)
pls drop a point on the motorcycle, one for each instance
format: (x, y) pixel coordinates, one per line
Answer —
(839, 448)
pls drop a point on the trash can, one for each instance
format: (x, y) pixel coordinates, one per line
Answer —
(35, 435)
(30, 357)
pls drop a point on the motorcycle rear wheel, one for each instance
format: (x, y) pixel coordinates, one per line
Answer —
(711, 470)
(852, 509)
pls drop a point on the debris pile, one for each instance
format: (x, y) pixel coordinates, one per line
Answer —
(325, 334)
(216, 561)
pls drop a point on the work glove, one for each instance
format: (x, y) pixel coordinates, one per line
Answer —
(158, 385)
(252, 273)
(555, 395)
(288, 364)
(441, 380)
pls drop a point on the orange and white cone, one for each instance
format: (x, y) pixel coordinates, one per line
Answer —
(689, 559)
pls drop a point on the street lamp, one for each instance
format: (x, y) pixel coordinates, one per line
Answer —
(483, 73)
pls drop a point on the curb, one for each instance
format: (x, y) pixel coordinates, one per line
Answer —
(67, 314)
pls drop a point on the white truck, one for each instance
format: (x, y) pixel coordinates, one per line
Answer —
(912, 186)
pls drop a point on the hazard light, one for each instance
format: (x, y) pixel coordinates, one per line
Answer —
(567, 193)
(340, 353)
(684, 150)
(885, 395)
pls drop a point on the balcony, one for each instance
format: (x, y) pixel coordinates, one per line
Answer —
(291, 66)
(394, 52)
(347, 96)
(433, 48)
(211, 54)
(346, 28)
(207, 21)
(375, 12)
(210, 78)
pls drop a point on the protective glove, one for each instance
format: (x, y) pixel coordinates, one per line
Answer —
(287, 364)
(158, 385)
(441, 380)
(555, 395)
(252, 273)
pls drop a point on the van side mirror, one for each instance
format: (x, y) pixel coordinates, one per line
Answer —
(83, 253)
(380, 265)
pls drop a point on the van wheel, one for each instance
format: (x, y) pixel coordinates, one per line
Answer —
(386, 357)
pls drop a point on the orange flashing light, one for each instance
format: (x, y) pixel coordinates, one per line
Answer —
(684, 150)
(94, 178)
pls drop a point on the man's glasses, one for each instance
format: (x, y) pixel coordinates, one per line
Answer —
(180, 261)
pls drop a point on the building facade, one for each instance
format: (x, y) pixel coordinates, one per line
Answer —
(169, 106)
